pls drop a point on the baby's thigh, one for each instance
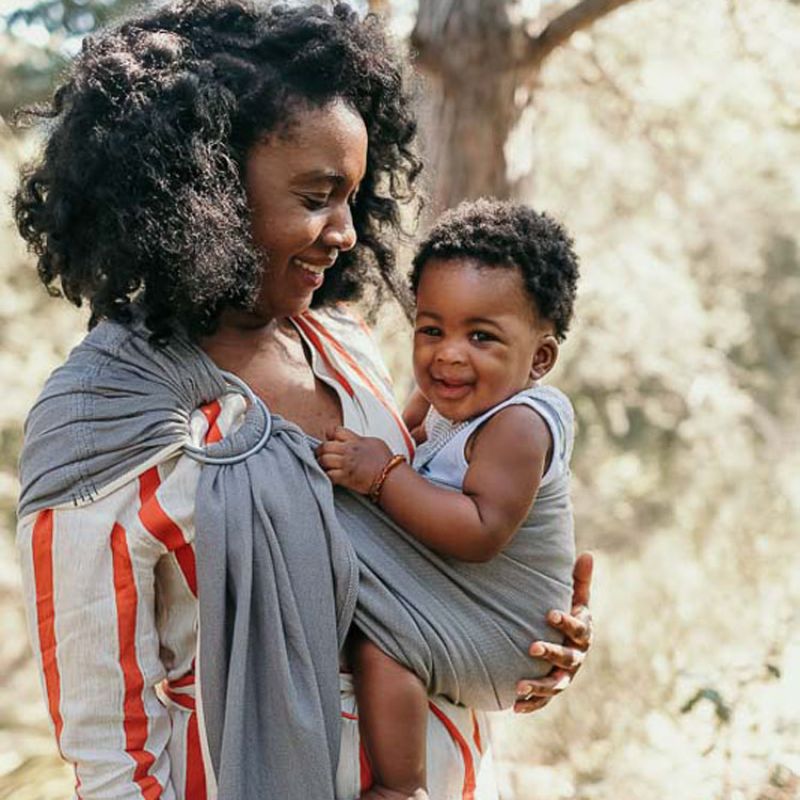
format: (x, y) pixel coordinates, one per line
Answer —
(457, 740)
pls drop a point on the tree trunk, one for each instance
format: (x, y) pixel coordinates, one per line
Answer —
(473, 56)
(467, 109)
(467, 120)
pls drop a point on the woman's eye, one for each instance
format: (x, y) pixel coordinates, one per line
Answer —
(314, 202)
(482, 336)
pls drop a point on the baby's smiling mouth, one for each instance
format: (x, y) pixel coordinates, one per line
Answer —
(451, 387)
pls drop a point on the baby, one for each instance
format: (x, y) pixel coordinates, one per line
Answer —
(495, 284)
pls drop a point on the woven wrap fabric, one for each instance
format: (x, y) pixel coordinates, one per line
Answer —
(281, 561)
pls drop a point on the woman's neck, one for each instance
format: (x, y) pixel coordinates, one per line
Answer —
(243, 331)
(272, 359)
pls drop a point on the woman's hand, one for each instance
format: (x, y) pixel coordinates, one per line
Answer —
(352, 461)
(567, 658)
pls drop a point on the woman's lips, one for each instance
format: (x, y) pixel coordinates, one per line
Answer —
(312, 274)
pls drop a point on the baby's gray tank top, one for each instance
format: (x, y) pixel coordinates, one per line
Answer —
(537, 562)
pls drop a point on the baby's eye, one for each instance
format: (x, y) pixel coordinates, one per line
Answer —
(482, 336)
(429, 330)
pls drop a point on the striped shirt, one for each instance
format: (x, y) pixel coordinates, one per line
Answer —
(111, 599)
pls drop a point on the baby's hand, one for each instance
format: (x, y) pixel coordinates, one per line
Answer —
(352, 461)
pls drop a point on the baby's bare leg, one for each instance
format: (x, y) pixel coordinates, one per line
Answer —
(393, 719)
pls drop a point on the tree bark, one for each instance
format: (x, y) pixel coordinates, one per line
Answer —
(465, 51)
(379, 7)
(473, 57)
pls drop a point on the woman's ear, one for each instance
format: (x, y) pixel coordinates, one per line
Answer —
(545, 356)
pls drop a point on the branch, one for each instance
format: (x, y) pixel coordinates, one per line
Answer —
(559, 30)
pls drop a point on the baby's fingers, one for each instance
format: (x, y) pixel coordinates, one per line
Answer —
(330, 461)
(340, 434)
(336, 477)
(326, 448)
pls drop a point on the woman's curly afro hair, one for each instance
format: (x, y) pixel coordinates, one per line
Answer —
(503, 234)
(139, 196)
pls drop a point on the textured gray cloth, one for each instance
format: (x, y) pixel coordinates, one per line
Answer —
(277, 574)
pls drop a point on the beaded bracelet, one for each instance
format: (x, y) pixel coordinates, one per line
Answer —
(377, 485)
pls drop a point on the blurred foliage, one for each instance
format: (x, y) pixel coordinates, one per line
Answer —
(669, 143)
(36, 41)
(72, 17)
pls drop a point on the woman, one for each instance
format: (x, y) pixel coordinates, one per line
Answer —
(223, 177)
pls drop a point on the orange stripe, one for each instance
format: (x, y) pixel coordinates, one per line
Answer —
(365, 769)
(353, 364)
(46, 615)
(476, 733)
(366, 778)
(195, 773)
(211, 411)
(371, 336)
(186, 561)
(468, 789)
(183, 700)
(135, 717)
(314, 339)
(361, 323)
(182, 682)
(158, 524)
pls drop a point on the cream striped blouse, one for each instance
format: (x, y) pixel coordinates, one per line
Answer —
(111, 599)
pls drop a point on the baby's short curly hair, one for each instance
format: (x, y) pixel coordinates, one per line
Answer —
(139, 197)
(503, 234)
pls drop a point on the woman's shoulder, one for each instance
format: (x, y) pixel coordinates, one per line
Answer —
(353, 339)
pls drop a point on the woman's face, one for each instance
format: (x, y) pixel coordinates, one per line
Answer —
(300, 183)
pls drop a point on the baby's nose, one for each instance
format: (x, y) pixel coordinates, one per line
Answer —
(449, 353)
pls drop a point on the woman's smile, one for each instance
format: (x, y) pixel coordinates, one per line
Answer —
(313, 274)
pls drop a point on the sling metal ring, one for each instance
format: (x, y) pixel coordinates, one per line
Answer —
(240, 387)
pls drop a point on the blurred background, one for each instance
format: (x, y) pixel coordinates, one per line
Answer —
(666, 135)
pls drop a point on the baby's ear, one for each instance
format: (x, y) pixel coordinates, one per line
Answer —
(545, 356)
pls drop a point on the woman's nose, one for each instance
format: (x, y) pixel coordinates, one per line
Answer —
(340, 231)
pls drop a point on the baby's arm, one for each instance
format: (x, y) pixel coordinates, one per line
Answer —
(506, 466)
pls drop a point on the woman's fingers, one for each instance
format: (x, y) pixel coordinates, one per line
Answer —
(533, 704)
(569, 658)
(576, 627)
(548, 686)
(566, 659)
(582, 580)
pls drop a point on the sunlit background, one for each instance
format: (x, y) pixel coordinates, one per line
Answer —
(666, 136)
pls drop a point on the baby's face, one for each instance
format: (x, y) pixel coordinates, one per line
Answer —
(477, 339)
